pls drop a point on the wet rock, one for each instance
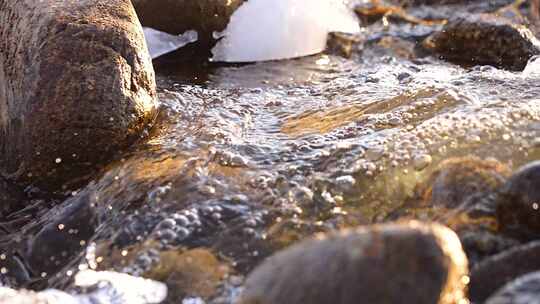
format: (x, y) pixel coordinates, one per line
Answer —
(481, 243)
(59, 241)
(179, 16)
(457, 179)
(523, 290)
(518, 205)
(76, 85)
(11, 197)
(196, 272)
(494, 272)
(343, 44)
(484, 40)
(395, 263)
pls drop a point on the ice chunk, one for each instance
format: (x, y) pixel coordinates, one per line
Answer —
(278, 29)
(160, 43)
(532, 69)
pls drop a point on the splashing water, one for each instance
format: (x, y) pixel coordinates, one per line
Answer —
(102, 286)
(160, 43)
(263, 30)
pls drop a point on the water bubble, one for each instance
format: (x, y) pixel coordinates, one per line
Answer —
(166, 235)
(181, 220)
(182, 234)
(167, 224)
(420, 162)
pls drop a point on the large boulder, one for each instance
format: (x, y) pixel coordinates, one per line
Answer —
(76, 86)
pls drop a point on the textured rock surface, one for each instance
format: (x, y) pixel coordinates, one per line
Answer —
(76, 85)
(484, 40)
(395, 263)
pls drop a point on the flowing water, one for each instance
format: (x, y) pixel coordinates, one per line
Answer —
(246, 159)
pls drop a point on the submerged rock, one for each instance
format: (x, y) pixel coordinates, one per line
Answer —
(523, 290)
(457, 179)
(343, 44)
(492, 273)
(518, 206)
(59, 241)
(11, 197)
(394, 263)
(484, 39)
(196, 272)
(76, 85)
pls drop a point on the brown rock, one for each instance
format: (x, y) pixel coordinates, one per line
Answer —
(394, 263)
(457, 179)
(484, 39)
(343, 44)
(76, 85)
(196, 272)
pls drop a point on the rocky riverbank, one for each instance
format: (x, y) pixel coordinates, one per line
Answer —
(400, 166)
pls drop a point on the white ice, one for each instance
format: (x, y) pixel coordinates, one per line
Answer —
(262, 30)
(532, 69)
(160, 43)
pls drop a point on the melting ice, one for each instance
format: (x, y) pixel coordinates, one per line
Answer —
(278, 29)
(160, 43)
(268, 30)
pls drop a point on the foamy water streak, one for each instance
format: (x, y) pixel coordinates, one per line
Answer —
(104, 287)
(160, 43)
(262, 30)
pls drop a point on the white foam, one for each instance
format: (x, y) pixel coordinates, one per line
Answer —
(262, 30)
(102, 287)
(160, 43)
